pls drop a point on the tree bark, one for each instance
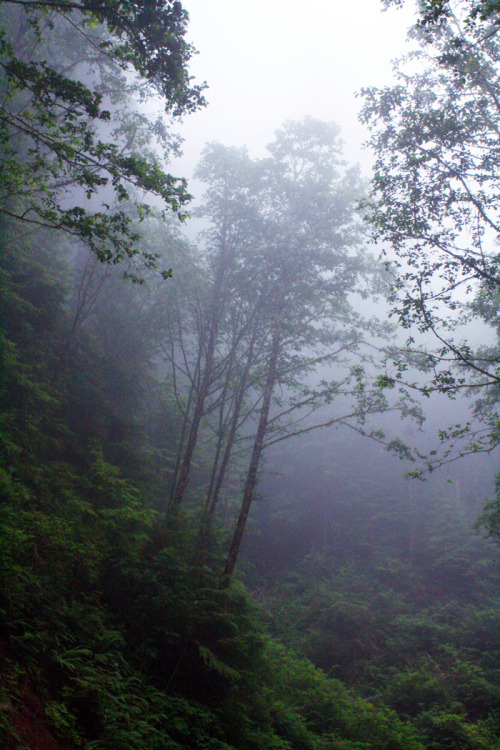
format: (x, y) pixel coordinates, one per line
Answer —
(217, 478)
(256, 453)
(212, 499)
(216, 304)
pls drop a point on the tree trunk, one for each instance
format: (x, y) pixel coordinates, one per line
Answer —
(217, 478)
(212, 499)
(256, 453)
(188, 453)
(182, 438)
(216, 304)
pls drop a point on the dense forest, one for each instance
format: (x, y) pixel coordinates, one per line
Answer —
(243, 502)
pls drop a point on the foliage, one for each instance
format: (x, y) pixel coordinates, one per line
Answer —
(489, 519)
(115, 631)
(434, 203)
(384, 587)
(255, 363)
(112, 635)
(74, 148)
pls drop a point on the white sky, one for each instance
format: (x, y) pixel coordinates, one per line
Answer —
(270, 60)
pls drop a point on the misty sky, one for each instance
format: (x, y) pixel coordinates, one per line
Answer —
(272, 60)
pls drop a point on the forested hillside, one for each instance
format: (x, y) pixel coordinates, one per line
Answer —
(204, 541)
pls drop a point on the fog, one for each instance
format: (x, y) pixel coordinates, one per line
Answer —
(231, 514)
(272, 61)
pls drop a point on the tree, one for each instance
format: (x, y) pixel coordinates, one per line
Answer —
(74, 145)
(312, 253)
(263, 333)
(434, 201)
(215, 316)
(432, 14)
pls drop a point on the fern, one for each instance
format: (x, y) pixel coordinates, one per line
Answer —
(213, 662)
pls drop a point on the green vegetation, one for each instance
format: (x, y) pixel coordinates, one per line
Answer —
(78, 153)
(413, 629)
(115, 635)
(434, 201)
(366, 617)
(112, 634)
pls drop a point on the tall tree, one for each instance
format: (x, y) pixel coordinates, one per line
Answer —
(435, 199)
(273, 334)
(211, 324)
(314, 256)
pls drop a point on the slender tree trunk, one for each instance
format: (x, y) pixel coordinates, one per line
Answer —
(256, 453)
(206, 380)
(182, 438)
(217, 478)
(221, 432)
(188, 454)
(86, 298)
(212, 499)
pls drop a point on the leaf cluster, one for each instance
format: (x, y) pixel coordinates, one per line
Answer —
(75, 147)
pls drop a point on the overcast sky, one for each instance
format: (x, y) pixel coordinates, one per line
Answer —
(266, 61)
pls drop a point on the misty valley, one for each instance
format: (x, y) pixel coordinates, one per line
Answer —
(249, 416)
